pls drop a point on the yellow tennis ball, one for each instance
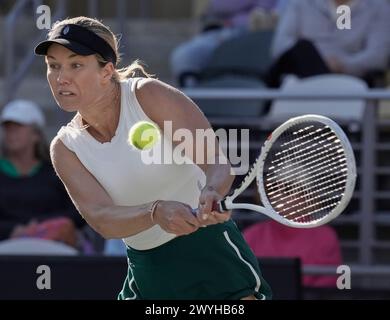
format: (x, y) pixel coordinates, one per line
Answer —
(143, 135)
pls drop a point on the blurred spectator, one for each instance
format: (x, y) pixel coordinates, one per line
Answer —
(33, 202)
(315, 246)
(308, 42)
(223, 20)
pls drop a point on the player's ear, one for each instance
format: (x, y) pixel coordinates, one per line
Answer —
(107, 72)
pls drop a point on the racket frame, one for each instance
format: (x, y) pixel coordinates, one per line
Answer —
(256, 171)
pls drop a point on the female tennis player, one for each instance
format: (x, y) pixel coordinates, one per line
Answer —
(170, 254)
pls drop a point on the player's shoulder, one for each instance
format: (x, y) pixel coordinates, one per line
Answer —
(61, 156)
(65, 138)
(56, 146)
(152, 87)
(71, 131)
(151, 92)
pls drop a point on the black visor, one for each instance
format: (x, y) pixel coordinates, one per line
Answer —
(79, 40)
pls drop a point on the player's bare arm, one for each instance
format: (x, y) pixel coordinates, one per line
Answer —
(96, 206)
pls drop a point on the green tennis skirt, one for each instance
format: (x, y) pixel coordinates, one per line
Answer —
(213, 263)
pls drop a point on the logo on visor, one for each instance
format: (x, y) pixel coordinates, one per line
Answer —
(66, 30)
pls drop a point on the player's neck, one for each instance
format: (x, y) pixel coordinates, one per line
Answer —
(102, 118)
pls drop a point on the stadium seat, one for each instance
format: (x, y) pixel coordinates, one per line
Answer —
(32, 246)
(231, 107)
(345, 111)
(246, 55)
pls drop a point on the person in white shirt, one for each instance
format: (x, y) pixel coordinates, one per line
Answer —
(308, 40)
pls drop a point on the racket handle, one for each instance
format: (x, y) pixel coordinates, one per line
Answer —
(216, 207)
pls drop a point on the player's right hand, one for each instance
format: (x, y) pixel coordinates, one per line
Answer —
(176, 217)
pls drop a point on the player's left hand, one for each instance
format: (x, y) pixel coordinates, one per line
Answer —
(206, 215)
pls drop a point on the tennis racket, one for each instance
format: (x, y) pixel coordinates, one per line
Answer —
(305, 174)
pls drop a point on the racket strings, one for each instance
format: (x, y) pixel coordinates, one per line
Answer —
(324, 176)
(305, 172)
(314, 159)
(310, 199)
(303, 136)
(281, 197)
(297, 207)
(314, 214)
(304, 158)
(275, 184)
(299, 145)
(302, 153)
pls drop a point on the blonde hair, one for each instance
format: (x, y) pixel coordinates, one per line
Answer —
(135, 69)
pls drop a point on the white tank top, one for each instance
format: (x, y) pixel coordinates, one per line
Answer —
(126, 178)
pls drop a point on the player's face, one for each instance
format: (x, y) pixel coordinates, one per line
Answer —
(76, 81)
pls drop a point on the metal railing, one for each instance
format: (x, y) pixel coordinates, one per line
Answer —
(357, 270)
(365, 218)
(265, 94)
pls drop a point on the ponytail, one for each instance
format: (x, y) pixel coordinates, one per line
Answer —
(136, 69)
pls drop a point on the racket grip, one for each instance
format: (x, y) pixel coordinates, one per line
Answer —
(216, 207)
